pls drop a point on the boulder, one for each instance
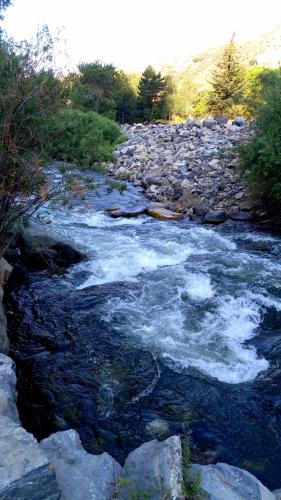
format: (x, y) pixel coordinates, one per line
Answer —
(79, 474)
(41, 252)
(4, 341)
(239, 121)
(221, 119)
(127, 213)
(154, 470)
(25, 472)
(8, 395)
(240, 216)
(163, 214)
(5, 271)
(209, 123)
(215, 217)
(225, 482)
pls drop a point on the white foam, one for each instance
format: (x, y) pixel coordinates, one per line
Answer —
(197, 286)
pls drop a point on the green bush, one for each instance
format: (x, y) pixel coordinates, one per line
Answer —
(83, 138)
(261, 157)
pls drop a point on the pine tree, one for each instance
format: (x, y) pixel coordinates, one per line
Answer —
(151, 92)
(227, 82)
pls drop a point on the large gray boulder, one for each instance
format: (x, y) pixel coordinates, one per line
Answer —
(25, 472)
(225, 482)
(5, 271)
(4, 341)
(209, 123)
(215, 217)
(153, 470)
(79, 474)
(8, 396)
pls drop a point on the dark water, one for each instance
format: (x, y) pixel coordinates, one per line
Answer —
(168, 327)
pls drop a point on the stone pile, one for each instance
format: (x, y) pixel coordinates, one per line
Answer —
(190, 167)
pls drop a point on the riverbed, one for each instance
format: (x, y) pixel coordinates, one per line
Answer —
(167, 327)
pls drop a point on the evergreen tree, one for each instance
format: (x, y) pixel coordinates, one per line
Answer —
(227, 82)
(151, 93)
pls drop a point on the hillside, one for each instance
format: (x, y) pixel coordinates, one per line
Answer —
(264, 50)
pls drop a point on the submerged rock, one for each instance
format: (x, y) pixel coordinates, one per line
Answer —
(25, 472)
(155, 470)
(79, 474)
(163, 214)
(225, 482)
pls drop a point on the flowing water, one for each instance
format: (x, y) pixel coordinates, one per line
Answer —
(166, 327)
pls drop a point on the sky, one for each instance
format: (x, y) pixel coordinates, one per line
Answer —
(134, 33)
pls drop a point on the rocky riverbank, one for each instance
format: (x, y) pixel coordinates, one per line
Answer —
(59, 467)
(189, 167)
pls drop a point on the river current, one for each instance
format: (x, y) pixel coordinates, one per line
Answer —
(167, 327)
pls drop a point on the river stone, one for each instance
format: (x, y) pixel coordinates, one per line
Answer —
(127, 213)
(154, 469)
(241, 216)
(40, 252)
(25, 472)
(225, 482)
(4, 341)
(209, 123)
(239, 121)
(163, 214)
(5, 271)
(215, 217)
(8, 396)
(221, 119)
(79, 474)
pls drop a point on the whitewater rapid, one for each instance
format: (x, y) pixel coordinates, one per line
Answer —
(196, 295)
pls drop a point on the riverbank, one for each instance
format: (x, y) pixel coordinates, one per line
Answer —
(189, 167)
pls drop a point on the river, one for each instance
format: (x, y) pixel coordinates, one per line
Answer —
(167, 327)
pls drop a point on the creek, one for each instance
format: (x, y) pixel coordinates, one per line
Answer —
(167, 327)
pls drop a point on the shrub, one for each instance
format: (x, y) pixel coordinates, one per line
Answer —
(190, 486)
(84, 138)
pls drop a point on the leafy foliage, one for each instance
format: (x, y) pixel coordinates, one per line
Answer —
(81, 138)
(261, 158)
(101, 88)
(227, 82)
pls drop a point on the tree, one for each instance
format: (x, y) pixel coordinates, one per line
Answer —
(102, 88)
(184, 97)
(126, 100)
(261, 157)
(3, 6)
(152, 91)
(227, 82)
